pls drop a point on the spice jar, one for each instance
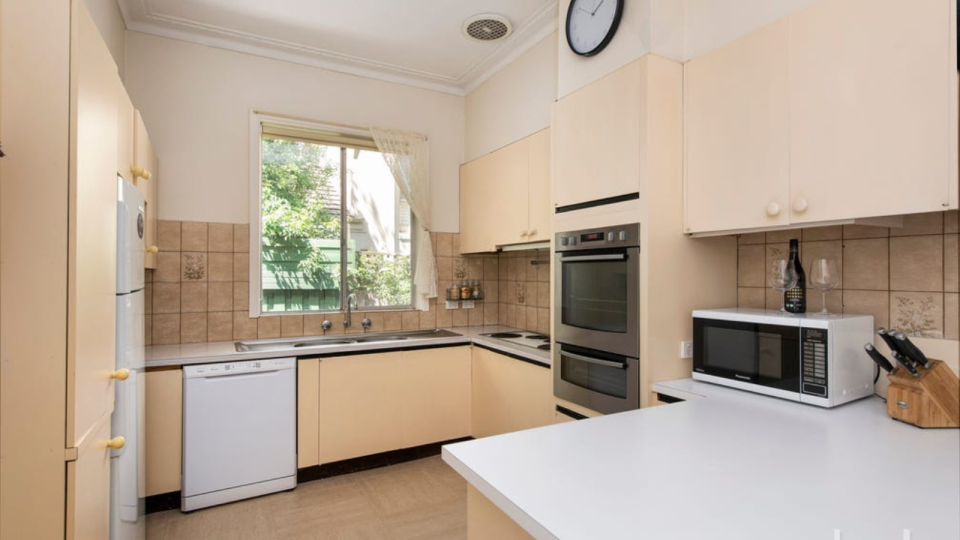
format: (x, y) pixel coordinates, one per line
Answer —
(476, 293)
(465, 291)
(453, 293)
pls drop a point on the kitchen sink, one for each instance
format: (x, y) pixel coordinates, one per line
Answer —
(321, 341)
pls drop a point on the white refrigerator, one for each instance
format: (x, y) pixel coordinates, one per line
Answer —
(127, 482)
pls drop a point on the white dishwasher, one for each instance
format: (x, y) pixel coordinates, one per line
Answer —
(239, 431)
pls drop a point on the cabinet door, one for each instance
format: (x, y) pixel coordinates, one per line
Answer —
(540, 205)
(873, 108)
(506, 204)
(88, 486)
(144, 158)
(531, 396)
(308, 408)
(598, 138)
(164, 430)
(490, 411)
(509, 394)
(359, 412)
(476, 234)
(125, 128)
(737, 134)
(435, 400)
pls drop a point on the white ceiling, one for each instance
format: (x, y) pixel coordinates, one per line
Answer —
(414, 42)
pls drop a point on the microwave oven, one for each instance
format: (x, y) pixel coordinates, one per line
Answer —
(811, 358)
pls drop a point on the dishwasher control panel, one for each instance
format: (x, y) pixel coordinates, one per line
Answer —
(238, 368)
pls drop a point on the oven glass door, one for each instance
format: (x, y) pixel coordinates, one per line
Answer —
(603, 382)
(768, 355)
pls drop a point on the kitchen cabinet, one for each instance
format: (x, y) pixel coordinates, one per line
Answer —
(125, 137)
(509, 394)
(144, 171)
(88, 486)
(163, 430)
(308, 411)
(736, 134)
(435, 395)
(504, 196)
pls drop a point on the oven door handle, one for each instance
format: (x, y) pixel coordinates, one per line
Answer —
(588, 258)
(605, 363)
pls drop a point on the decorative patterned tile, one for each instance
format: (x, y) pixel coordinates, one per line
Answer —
(193, 266)
(917, 314)
(916, 263)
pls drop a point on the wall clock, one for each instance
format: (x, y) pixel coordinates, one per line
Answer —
(591, 24)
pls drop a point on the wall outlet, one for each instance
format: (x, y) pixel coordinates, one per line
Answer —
(686, 349)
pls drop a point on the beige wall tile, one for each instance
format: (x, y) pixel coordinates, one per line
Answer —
(511, 319)
(510, 297)
(951, 258)
(781, 237)
(775, 252)
(148, 330)
(751, 266)
(220, 237)
(543, 320)
(852, 232)
(444, 316)
(410, 320)
(950, 222)
(313, 325)
(168, 267)
(221, 266)
(543, 270)
(520, 320)
(241, 267)
(193, 327)
(148, 275)
(268, 327)
(376, 321)
(291, 325)
(508, 268)
(444, 244)
(243, 326)
(193, 297)
(531, 268)
(461, 317)
(392, 320)
(193, 266)
(241, 238)
(951, 316)
(428, 319)
(166, 299)
(916, 263)
(917, 313)
(774, 299)
(220, 295)
(752, 238)
(817, 234)
(866, 264)
(148, 298)
(815, 301)
(166, 329)
(532, 314)
(220, 326)
(491, 292)
(474, 267)
(241, 296)
(455, 243)
(445, 269)
(491, 268)
(193, 236)
(168, 235)
(475, 315)
(491, 313)
(502, 313)
(876, 303)
(752, 297)
(543, 295)
(811, 251)
(919, 224)
(532, 288)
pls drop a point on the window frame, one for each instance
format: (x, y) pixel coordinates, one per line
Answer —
(257, 119)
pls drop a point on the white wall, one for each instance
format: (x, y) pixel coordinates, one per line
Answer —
(106, 14)
(514, 103)
(196, 103)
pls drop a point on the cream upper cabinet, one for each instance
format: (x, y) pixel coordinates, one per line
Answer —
(873, 109)
(506, 194)
(476, 234)
(435, 395)
(598, 136)
(540, 206)
(509, 394)
(736, 134)
(144, 170)
(163, 433)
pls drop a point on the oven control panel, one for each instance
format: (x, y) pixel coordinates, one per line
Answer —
(814, 362)
(604, 237)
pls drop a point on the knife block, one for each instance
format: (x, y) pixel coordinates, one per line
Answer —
(931, 400)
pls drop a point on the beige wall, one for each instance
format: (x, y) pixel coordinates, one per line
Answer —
(710, 24)
(106, 14)
(196, 103)
(514, 103)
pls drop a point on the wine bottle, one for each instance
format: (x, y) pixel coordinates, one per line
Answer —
(796, 298)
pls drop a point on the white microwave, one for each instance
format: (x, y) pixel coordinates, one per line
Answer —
(810, 358)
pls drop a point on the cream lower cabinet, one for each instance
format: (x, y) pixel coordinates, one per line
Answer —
(509, 394)
(164, 430)
(88, 486)
(487, 522)
(308, 411)
(435, 395)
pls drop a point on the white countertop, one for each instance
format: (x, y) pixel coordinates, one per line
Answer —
(225, 351)
(727, 464)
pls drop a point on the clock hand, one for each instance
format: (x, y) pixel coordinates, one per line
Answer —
(594, 12)
(583, 10)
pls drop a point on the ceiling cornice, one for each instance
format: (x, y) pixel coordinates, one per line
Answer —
(537, 27)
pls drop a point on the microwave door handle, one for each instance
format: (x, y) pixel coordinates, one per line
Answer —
(606, 363)
(588, 258)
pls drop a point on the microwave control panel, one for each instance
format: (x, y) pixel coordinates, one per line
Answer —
(814, 362)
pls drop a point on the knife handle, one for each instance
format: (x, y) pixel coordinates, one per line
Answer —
(878, 358)
(912, 351)
(890, 341)
(903, 361)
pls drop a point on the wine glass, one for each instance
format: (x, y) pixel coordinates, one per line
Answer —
(782, 278)
(825, 277)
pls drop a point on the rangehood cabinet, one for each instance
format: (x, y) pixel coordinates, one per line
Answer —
(846, 109)
(505, 196)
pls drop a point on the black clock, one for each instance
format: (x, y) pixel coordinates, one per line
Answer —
(591, 24)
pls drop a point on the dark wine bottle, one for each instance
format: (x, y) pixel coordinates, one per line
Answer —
(796, 298)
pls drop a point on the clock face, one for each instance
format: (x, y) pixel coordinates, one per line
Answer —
(591, 24)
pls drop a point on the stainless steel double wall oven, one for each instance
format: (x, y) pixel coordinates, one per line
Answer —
(597, 318)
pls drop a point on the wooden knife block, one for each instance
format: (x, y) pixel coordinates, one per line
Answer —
(931, 400)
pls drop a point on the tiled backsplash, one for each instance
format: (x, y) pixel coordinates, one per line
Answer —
(906, 278)
(199, 291)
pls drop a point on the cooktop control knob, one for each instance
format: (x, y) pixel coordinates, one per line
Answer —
(610, 236)
(564, 240)
(623, 236)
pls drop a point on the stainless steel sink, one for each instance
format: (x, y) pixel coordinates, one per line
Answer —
(321, 341)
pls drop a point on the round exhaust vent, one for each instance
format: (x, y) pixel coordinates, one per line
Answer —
(487, 27)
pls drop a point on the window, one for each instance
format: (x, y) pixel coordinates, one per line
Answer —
(332, 223)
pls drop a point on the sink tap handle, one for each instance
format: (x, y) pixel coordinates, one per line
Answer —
(326, 325)
(367, 323)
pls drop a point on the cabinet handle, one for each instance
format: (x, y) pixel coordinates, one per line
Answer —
(773, 209)
(140, 172)
(532, 232)
(800, 205)
(152, 249)
(121, 374)
(523, 233)
(116, 443)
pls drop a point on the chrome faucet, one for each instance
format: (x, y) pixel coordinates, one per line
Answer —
(349, 320)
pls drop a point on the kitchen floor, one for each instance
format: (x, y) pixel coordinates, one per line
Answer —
(420, 500)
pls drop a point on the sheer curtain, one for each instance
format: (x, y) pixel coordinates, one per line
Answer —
(408, 157)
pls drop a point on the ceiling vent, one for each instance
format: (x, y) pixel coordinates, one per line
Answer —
(487, 27)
